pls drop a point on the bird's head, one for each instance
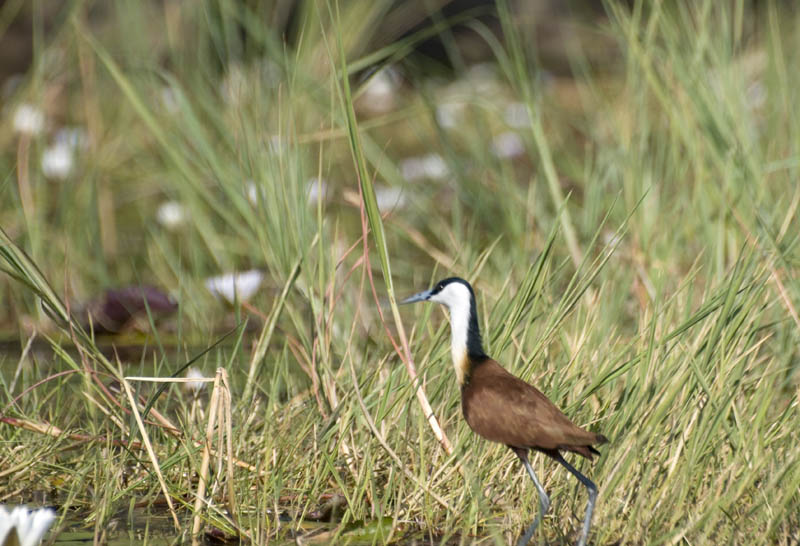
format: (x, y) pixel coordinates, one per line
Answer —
(455, 293)
(466, 345)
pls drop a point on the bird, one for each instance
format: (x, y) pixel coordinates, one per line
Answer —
(503, 408)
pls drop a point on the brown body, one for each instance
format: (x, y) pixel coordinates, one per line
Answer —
(503, 408)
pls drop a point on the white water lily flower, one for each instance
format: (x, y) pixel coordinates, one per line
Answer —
(171, 214)
(196, 386)
(58, 161)
(389, 198)
(517, 116)
(24, 527)
(278, 144)
(483, 77)
(316, 190)
(251, 190)
(380, 91)
(450, 114)
(169, 98)
(233, 286)
(233, 86)
(28, 119)
(508, 145)
(431, 166)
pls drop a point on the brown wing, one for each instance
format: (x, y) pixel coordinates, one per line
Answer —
(503, 408)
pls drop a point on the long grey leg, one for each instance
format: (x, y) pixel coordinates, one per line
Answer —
(544, 500)
(591, 487)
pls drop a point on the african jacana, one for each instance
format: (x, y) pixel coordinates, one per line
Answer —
(503, 408)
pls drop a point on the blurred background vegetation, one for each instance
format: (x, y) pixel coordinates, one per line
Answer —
(174, 145)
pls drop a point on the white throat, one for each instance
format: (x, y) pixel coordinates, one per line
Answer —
(457, 298)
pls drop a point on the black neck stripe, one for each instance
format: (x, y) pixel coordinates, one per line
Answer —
(474, 344)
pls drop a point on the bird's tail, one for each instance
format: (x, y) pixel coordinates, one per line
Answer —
(598, 439)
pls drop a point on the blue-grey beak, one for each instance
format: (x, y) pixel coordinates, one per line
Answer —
(422, 296)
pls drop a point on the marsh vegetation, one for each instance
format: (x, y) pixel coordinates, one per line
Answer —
(629, 221)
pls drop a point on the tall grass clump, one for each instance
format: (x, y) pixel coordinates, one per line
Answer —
(634, 254)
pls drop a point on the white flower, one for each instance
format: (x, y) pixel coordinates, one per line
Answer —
(251, 189)
(450, 114)
(233, 286)
(24, 527)
(234, 85)
(171, 214)
(196, 386)
(517, 116)
(277, 144)
(389, 198)
(612, 239)
(483, 77)
(379, 92)
(316, 190)
(57, 161)
(431, 166)
(508, 145)
(169, 98)
(28, 119)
